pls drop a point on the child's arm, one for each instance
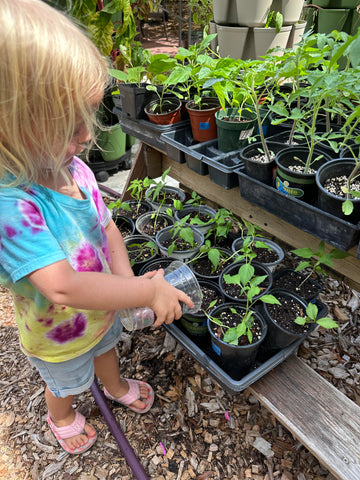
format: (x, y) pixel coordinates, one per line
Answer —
(61, 284)
(120, 264)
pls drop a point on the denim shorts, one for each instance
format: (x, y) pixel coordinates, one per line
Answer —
(76, 375)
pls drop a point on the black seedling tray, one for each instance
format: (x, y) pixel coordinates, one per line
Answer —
(333, 230)
(200, 348)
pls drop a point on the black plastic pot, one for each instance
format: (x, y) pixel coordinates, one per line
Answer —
(238, 243)
(298, 184)
(212, 277)
(237, 360)
(166, 234)
(196, 323)
(233, 269)
(264, 172)
(308, 290)
(134, 99)
(146, 219)
(131, 244)
(201, 209)
(156, 264)
(277, 336)
(135, 210)
(125, 224)
(175, 193)
(332, 203)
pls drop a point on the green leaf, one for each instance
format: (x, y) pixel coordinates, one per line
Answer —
(327, 322)
(270, 299)
(347, 207)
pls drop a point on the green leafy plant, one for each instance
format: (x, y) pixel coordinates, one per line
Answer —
(311, 317)
(181, 234)
(202, 12)
(216, 257)
(249, 282)
(139, 251)
(315, 260)
(274, 20)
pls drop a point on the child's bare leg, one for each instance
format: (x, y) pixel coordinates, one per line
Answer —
(62, 414)
(108, 371)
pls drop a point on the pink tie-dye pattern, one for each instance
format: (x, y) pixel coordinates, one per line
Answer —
(68, 330)
(32, 214)
(10, 231)
(87, 259)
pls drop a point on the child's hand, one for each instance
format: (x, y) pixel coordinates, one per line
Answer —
(166, 300)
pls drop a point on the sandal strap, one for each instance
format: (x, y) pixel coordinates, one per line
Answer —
(131, 396)
(75, 428)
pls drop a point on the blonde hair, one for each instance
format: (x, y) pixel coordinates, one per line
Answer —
(50, 72)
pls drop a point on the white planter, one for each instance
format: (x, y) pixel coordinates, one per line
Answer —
(261, 40)
(225, 12)
(297, 31)
(232, 41)
(290, 9)
(252, 13)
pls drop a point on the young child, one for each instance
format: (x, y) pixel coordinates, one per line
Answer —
(61, 255)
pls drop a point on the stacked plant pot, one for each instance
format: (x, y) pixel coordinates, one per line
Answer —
(324, 16)
(240, 26)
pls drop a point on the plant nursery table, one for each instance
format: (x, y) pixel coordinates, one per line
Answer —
(152, 162)
(321, 417)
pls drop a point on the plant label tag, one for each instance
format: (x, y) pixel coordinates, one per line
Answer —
(204, 125)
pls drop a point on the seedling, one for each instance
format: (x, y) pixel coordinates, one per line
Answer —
(316, 264)
(311, 317)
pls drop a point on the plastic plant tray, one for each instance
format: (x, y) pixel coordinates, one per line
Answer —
(201, 350)
(333, 230)
(146, 131)
(220, 166)
(177, 142)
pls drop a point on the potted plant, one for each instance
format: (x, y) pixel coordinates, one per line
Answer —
(200, 216)
(140, 249)
(290, 318)
(150, 223)
(179, 241)
(306, 279)
(263, 249)
(195, 323)
(137, 205)
(166, 108)
(162, 196)
(192, 69)
(210, 261)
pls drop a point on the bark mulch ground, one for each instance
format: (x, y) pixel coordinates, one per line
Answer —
(195, 430)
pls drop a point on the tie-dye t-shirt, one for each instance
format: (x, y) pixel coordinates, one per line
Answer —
(38, 227)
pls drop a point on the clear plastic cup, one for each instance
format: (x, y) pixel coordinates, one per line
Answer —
(180, 276)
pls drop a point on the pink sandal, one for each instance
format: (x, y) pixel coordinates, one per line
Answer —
(75, 428)
(132, 395)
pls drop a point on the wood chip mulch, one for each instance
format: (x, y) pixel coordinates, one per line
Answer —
(195, 430)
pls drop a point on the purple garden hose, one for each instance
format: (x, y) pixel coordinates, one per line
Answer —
(114, 427)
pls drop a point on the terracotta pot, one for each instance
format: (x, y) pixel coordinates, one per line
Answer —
(168, 118)
(203, 124)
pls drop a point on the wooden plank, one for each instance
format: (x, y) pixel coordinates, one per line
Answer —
(323, 419)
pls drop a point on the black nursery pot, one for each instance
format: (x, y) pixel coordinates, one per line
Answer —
(277, 336)
(298, 184)
(132, 242)
(332, 203)
(196, 323)
(236, 360)
(232, 269)
(288, 279)
(264, 172)
(126, 225)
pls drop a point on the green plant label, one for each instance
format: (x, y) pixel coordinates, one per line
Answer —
(285, 188)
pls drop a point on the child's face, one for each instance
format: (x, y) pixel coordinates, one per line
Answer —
(81, 136)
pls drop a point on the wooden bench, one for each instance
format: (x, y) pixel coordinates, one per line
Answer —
(322, 418)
